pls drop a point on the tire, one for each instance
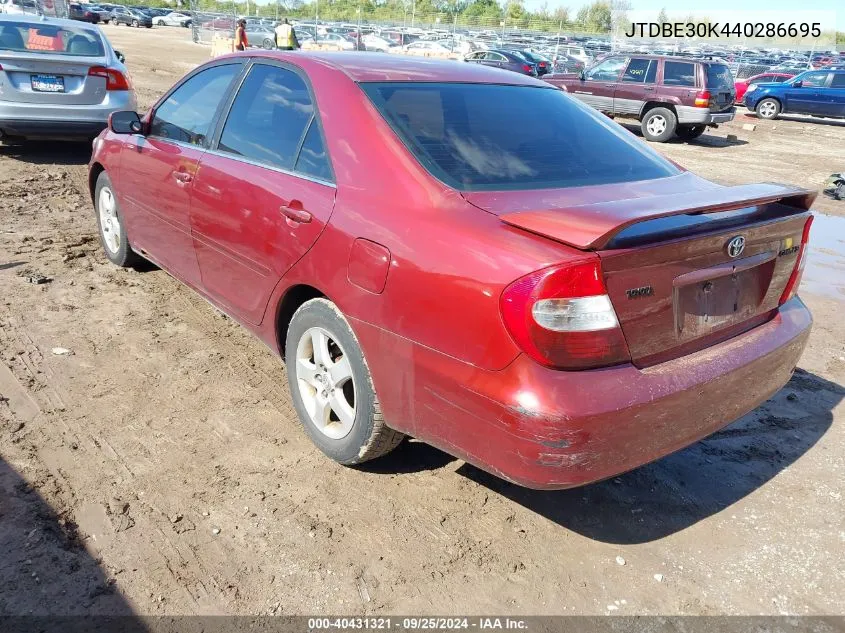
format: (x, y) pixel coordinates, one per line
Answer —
(839, 192)
(358, 433)
(768, 109)
(135, 23)
(659, 125)
(160, 22)
(111, 227)
(268, 44)
(690, 132)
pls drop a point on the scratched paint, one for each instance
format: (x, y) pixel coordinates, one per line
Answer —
(825, 271)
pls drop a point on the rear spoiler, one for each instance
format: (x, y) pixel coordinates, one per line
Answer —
(593, 226)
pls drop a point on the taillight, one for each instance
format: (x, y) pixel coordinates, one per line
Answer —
(115, 80)
(562, 317)
(526, 68)
(795, 279)
(702, 99)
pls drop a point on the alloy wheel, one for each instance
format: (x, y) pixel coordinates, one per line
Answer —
(109, 222)
(767, 109)
(325, 382)
(656, 125)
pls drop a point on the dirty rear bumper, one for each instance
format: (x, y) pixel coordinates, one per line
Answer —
(542, 428)
(692, 115)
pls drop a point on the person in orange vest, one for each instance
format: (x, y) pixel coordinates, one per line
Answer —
(241, 41)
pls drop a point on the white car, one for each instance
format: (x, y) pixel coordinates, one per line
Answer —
(173, 18)
(13, 7)
(373, 42)
(422, 47)
(336, 40)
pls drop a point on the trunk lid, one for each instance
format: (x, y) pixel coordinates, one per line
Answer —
(47, 80)
(673, 267)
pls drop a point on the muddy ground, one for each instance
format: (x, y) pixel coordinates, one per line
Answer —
(157, 467)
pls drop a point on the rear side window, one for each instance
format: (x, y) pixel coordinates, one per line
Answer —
(312, 159)
(186, 115)
(678, 74)
(47, 38)
(268, 117)
(640, 71)
(719, 78)
(470, 137)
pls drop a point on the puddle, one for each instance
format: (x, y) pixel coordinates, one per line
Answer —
(825, 270)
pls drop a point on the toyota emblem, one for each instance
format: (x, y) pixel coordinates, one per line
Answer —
(736, 245)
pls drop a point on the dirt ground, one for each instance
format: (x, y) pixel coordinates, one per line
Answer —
(155, 465)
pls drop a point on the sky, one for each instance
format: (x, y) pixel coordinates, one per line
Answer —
(776, 10)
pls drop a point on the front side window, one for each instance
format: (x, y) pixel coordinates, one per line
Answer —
(608, 70)
(470, 137)
(678, 74)
(268, 117)
(22, 37)
(186, 114)
(813, 80)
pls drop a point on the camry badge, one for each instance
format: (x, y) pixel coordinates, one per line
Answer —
(736, 245)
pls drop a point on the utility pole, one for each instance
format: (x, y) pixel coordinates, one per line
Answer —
(413, 13)
(503, 32)
(358, 39)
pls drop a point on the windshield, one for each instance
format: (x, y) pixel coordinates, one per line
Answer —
(473, 138)
(719, 77)
(25, 37)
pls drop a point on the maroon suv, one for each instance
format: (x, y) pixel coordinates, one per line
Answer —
(668, 95)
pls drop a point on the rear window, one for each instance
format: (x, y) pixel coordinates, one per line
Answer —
(46, 38)
(473, 138)
(719, 77)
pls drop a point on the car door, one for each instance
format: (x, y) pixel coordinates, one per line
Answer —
(263, 193)
(806, 98)
(635, 87)
(496, 60)
(157, 169)
(836, 95)
(599, 84)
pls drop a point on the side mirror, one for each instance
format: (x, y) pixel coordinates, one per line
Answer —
(120, 56)
(798, 84)
(125, 122)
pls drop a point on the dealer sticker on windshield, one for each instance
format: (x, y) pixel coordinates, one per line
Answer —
(47, 83)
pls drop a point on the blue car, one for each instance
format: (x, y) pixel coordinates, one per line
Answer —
(815, 92)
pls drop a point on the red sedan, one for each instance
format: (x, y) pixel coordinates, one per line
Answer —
(743, 84)
(555, 304)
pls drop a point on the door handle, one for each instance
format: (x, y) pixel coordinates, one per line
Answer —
(609, 85)
(293, 211)
(649, 88)
(182, 177)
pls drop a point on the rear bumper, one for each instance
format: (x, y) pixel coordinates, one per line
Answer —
(51, 129)
(693, 115)
(62, 121)
(542, 428)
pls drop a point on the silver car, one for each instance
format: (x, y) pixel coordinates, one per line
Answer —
(58, 79)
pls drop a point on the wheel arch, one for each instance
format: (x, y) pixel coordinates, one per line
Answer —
(290, 302)
(651, 105)
(93, 174)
